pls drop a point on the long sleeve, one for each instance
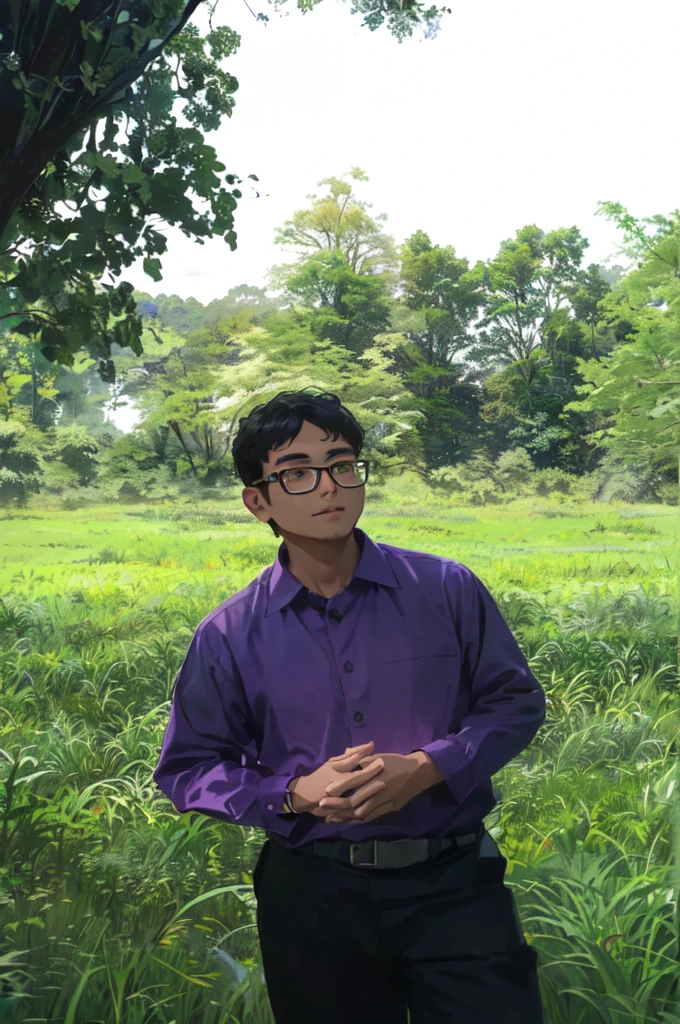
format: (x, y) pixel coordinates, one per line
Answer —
(208, 761)
(507, 704)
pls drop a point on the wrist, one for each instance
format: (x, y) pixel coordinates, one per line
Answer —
(290, 789)
(427, 769)
(420, 757)
(288, 803)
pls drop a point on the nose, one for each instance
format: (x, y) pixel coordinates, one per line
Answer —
(326, 476)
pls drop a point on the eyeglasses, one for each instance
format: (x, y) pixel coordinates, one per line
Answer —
(302, 479)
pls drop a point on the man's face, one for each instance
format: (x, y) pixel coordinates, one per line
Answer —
(298, 513)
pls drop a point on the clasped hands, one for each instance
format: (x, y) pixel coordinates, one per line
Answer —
(403, 777)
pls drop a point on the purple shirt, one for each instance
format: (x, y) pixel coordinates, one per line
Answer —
(413, 654)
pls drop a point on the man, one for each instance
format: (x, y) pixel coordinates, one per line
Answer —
(354, 701)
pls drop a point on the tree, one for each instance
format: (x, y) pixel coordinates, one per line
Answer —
(445, 296)
(190, 407)
(523, 405)
(20, 469)
(40, 395)
(449, 399)
(337, 222)
(531, 339)
(346, 267)
(88, 90)
(337, 302)
(186, 315)
(586, 297)
(67, 66)
(527, 287)
(659, 253)
(637, 411)
(50, 263)
(638, 427)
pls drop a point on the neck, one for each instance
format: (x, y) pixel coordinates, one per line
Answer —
(323, 566)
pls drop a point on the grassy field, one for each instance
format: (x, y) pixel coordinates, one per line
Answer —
(115, 909)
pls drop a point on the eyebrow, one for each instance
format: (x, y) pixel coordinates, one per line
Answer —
(303, 455)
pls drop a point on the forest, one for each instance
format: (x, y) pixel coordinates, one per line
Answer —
(532, 372)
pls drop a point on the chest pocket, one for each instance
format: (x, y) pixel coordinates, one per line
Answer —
(423, 683)
(399, 651)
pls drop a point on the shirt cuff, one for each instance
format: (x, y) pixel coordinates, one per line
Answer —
(457, 771)
(271, 796)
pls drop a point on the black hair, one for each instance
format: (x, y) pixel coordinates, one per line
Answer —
(280, 420)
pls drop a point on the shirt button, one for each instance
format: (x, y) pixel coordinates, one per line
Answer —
(358, 717)
(348, 666)
(270, 807)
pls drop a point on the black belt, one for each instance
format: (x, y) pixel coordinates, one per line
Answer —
(382, 853)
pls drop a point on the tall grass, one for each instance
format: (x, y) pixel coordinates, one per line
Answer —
(114, 908)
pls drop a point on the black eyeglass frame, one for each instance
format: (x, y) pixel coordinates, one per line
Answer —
(276, 476)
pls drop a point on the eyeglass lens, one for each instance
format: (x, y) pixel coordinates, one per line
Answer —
(347, 474)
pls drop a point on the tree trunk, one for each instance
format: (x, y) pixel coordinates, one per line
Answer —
(175, 426)
(34, 404)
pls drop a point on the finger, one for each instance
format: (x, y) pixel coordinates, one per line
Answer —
(355, 779)
(337, 817)
(377, 813)
(369, 810)
(347, 763)
(344, 804)
(340, 787)
(331, 803)
(349, 751)
(345, 814)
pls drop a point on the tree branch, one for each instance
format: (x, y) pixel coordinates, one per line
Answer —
(251, 11)
(667, 262)
(27, 312)
(158, 339)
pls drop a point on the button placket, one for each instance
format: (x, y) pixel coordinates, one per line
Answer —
(336, 618)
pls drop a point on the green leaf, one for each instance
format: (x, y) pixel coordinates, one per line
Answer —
(59, 230)
(152, 267)
(17, 380)
(107, 164)
(133, 175)
(27, 327)
(52, 337)
(75, 339)
(87, 159)
(95, 264)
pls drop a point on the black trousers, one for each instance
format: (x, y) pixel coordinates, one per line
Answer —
(352, 945)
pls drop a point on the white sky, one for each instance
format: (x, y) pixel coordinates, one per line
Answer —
(517, 113)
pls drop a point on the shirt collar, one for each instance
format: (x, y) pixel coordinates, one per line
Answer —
(373, 567)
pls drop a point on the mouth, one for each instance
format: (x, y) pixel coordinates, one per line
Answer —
(328, 511)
